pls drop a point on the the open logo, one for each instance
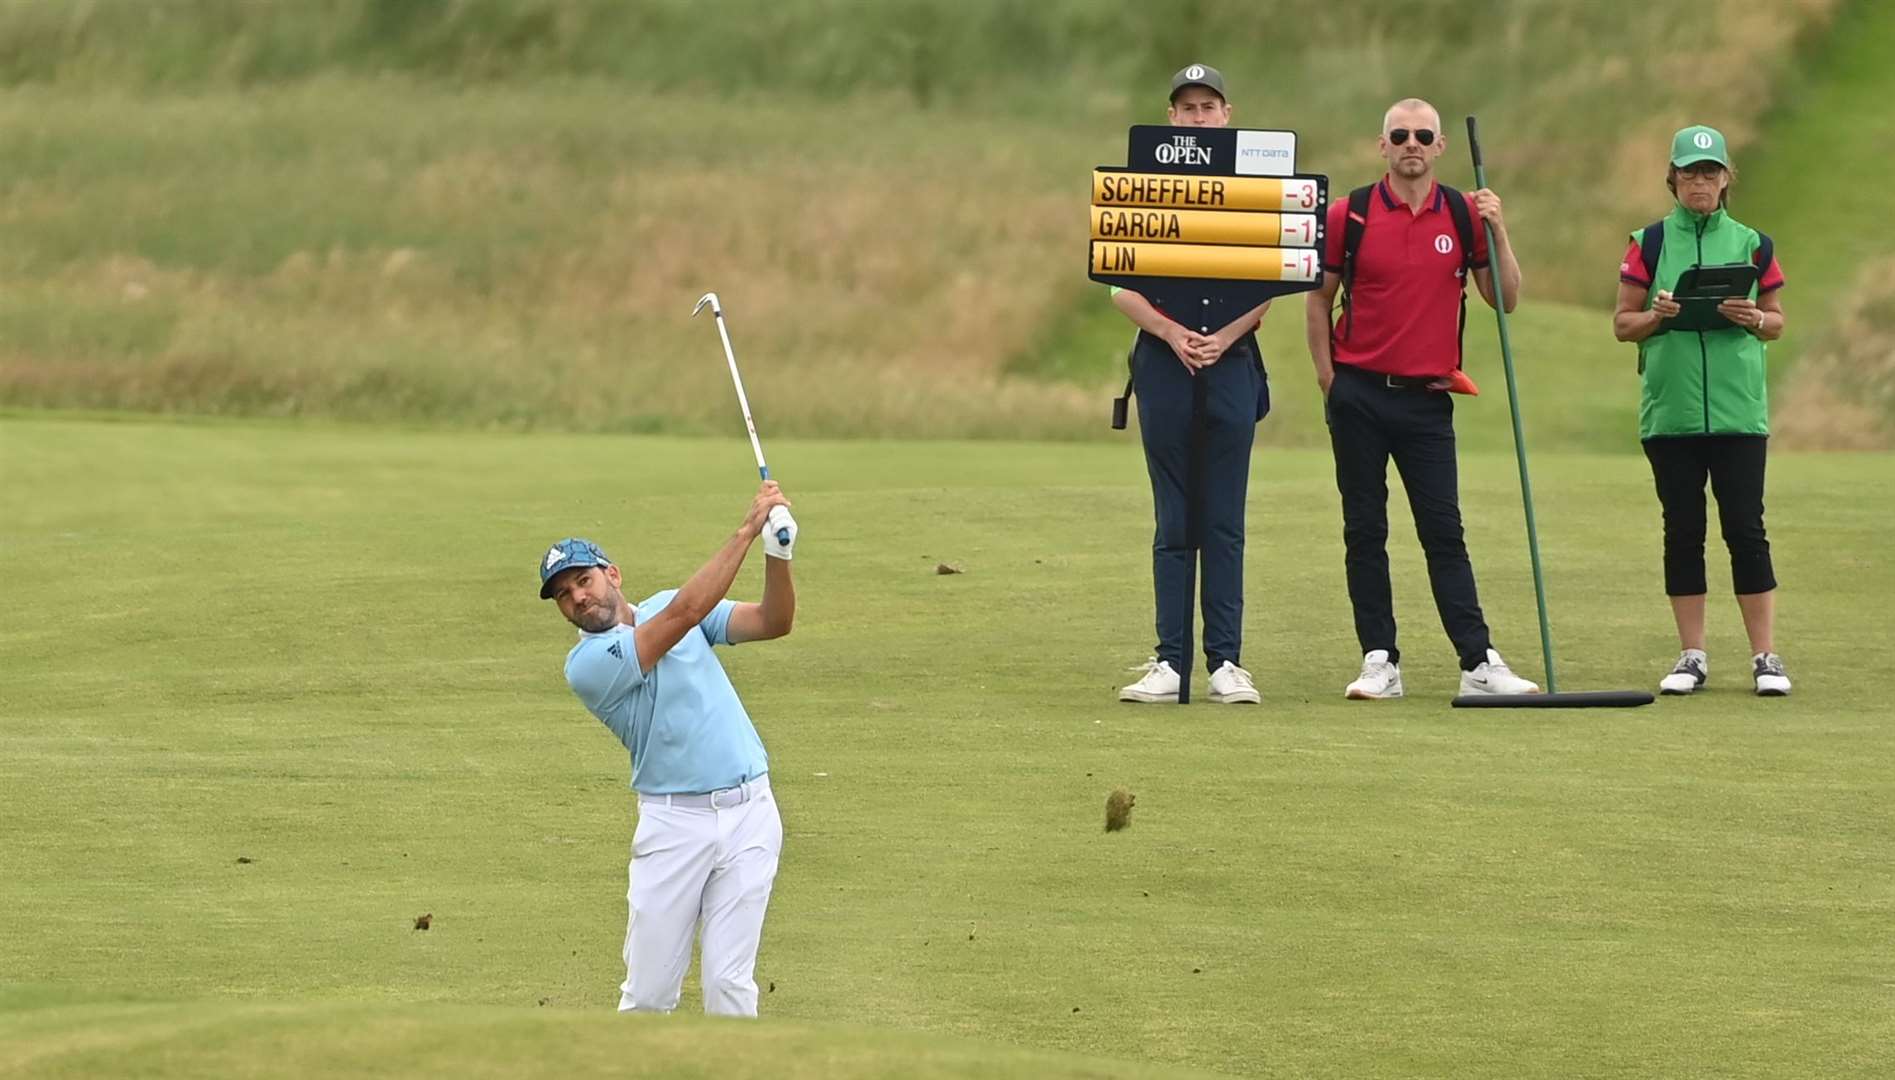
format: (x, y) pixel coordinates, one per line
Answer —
(1444, 244)
(1702, 140)
(1195, 71)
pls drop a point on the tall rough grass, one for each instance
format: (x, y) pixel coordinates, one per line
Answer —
(381, 249)
(498, 211)
(1843, 393)
(1815, 186)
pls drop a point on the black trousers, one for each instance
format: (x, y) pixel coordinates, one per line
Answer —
(1734, 464)
(1198, 430)
(1369, 423)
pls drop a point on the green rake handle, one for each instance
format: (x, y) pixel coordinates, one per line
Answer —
(1513, 404)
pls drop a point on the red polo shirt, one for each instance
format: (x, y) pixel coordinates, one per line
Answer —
(1406, 297)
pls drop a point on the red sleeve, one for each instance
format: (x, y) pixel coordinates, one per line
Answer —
(1333, 221)
(1632, 267)
(1772, 277)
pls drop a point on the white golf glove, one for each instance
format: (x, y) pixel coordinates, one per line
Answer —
(779, 521)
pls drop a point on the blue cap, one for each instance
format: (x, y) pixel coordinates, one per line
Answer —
(565, 555)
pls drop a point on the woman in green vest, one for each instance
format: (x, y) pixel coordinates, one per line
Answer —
(1703, 411)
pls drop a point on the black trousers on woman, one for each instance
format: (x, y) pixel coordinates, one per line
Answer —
(1734, 465)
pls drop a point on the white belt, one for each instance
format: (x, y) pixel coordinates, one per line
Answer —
(721, 799)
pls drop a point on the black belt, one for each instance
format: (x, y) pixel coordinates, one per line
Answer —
(1388, 382)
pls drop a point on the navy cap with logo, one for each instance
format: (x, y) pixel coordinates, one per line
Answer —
(1197, 75)
(565, 555)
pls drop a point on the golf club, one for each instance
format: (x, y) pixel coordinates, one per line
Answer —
(780, 519)
(1552, 699)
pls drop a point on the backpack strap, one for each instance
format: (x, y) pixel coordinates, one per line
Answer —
(1649, 246)
(1463, 228)
(1463, 225)
(1352, 229)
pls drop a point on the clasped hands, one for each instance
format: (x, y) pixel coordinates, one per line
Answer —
(1196, 351)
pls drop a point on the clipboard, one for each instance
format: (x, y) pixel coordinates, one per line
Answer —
(1701, 288)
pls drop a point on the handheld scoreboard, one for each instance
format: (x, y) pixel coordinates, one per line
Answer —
(1200, 211)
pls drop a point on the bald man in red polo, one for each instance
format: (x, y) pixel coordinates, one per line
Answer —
(1386, 370)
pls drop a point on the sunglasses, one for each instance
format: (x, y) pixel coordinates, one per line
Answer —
(1398, 136)
(1704, 170)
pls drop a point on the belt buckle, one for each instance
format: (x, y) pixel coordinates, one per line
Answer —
(738, 791)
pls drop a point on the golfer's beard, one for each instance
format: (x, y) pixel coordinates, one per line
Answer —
(1412, 166)
(598, 618)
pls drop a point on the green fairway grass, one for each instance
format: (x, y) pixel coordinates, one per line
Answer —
(43, 1035)
(318, 649)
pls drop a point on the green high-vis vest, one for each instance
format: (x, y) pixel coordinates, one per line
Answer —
(1708, 382)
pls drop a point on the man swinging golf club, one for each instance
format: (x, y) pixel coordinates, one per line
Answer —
(705, 850)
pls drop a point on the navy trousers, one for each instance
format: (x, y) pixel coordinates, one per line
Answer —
(1198, 430)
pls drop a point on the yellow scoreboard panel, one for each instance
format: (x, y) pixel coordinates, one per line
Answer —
(1190, 214)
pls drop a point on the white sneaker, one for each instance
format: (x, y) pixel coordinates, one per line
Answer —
(1692, 669)
(1379, 679)
(1159, 686)
(1493, 676)
(1771, 681)
(1231, 685)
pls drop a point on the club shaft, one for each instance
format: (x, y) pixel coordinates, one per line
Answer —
(743, 403)
(1513, 405)
(743, 400)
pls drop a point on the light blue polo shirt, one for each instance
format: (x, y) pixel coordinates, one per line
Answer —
(681, 720)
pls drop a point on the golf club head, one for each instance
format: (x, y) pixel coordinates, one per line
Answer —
(711, 299)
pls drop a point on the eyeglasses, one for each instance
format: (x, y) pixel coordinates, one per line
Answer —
(1704, 170)
(1398, 136)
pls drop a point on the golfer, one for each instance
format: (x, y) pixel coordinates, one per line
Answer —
(1703, 410)
(1198, 376)
(705, 851)
(1385, 373)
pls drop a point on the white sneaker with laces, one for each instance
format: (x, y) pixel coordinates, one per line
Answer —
(1771, 681)
(1379, 679)
(1159, 685)
(1231, 685)
(1493, 676)
(1689, 674)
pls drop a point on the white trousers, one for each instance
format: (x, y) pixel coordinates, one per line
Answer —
(705, 869)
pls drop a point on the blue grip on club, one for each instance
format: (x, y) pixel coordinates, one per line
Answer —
(782, 535)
